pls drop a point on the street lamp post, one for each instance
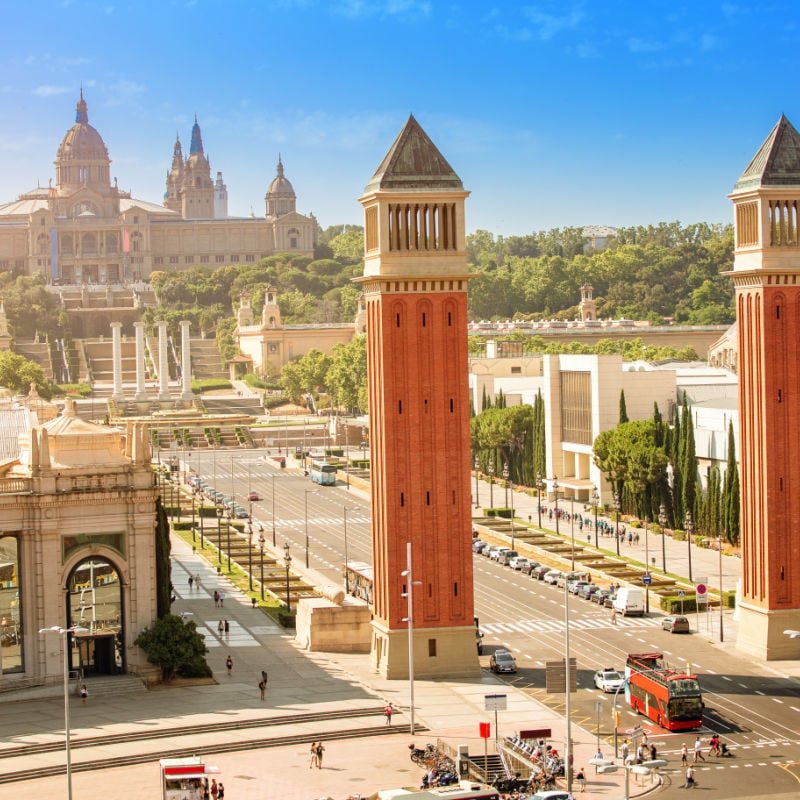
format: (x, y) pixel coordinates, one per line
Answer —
(646, 570)
(663, 520)
(572, 529)
(512, 511)
(539, 487)
(228, 531)
(617, 508)
(194, 500)
(250, 552)
(689, 530)
(261, 571)
(506, 475)
(476, 464)
(273, 511)
(721, 593)
(490, 470)
(307, 492)
(567, 703)
(218, 509)
(63, 634)
(409, 595)
(287, 560)
(595, 502)
(555, 487)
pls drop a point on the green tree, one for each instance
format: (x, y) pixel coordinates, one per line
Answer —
(688, 460)
(346, 377)
(349, 244)
(730, 492)
(623, 409)
(163, 548)
(17, 373)
(175, 646)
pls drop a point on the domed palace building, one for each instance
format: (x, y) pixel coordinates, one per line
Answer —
(85, 229)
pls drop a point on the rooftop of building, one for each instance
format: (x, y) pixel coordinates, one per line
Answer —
(777, 162)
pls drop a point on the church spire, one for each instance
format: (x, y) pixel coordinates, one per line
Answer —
(82, 111)
(196, 147)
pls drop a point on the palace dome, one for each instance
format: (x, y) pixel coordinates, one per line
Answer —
(280, 184)
(82, 142)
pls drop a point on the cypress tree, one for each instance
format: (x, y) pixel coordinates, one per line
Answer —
(677, 475)
(485, 401)
(730, 492)
(623, 411)
(162, 562)
(688, 460)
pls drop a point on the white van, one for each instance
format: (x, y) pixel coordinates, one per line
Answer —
(629, 602)
(463, 790)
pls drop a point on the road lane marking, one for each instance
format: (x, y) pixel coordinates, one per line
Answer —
(794, 708)
(726, 678)
(759, 692)
(775, 700)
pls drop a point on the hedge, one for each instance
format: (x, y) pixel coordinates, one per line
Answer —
(182, 525)
(251, 379)
(505, 513)
(210, 384)
(275, 400)
(73, 389)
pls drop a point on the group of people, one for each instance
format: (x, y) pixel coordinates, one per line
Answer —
(213, 790)
(195, 581)
(547, 763)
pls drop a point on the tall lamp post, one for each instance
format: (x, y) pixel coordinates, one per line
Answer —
(567, 702)
(617, 508)
(506, 474)
(287, 560)
(229, 516)
(490, 470)
(595, 503)
(307, 492)
(273, 511)
(646, 570)
(663, 521)
(250, 551)
(261, 542)
(409, 595)
(572, 528)
(63, 634)
(476, 464)
(511, 482)
(689, 524)
(554, 486)
(218, 509)
(721, 593)
(539, 487)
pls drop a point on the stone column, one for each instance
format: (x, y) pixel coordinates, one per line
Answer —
(163, 363)
(116, 362)
(186, 362)
(141, 389)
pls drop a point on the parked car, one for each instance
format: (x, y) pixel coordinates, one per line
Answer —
(552, 794)
(675, 623)
(518, 562)
(539, 572)
(492, 548)
(587, 590)
(552, 576)
(253, 496)
(478, 545)
(497, 553)
(502, 661)
(573, 587)
(505, 556)
(609, 600)
(599, 596)
(608, 680)
(528, 568)
(572, 576)
(241, 513)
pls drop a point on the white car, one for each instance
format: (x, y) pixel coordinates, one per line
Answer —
(552, 794)
(495, 554)
(552, 576)
(518, 562)
(608, 680)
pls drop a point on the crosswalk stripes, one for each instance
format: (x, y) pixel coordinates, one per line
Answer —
(557, 625)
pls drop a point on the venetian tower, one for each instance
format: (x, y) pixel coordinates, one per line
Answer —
(415, 287)
(588, 305)
(766, 277)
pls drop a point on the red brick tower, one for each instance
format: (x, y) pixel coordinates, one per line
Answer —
(415, 286)
(766, 277)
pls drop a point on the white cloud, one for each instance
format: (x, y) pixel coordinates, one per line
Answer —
(637, 45)
(47, 90)
(547, 24)
(405, 9)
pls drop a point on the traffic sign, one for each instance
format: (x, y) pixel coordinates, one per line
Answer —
(647, 579)
(495, 702)
(701, 590)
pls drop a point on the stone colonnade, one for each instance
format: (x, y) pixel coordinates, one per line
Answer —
(163, 362)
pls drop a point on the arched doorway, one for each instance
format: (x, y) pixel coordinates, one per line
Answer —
(94, 602)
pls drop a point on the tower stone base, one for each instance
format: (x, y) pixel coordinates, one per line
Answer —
(438, 652)
(761, 632)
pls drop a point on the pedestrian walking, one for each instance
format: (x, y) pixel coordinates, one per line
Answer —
(262, 687)
(229, 665)
(613, 616)
(221, 792)
(387, 712)
(221, 627)
(625, 750)
(684, 754)
(653, 752)
(84, 694)
(690, 782)
(227, 627)
(314, 760)
(214, 789)
(221, 599)
(581, 779)
(197, 581)
(191, 582)
(264, 676)
(216, 598)
(320, 751)
(698, 750)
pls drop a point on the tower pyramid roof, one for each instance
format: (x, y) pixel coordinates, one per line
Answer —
(777, 162)
(414, 163)
(196, 146)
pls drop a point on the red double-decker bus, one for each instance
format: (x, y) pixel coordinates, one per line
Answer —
(670, 698)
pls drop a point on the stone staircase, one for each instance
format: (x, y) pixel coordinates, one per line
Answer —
(99, 358)
(206, 360)
(38, 353)
(233, 404)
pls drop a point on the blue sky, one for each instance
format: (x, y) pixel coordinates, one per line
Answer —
(553, 113)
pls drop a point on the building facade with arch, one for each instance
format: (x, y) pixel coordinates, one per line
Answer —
(85, 229)
(77, 548)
